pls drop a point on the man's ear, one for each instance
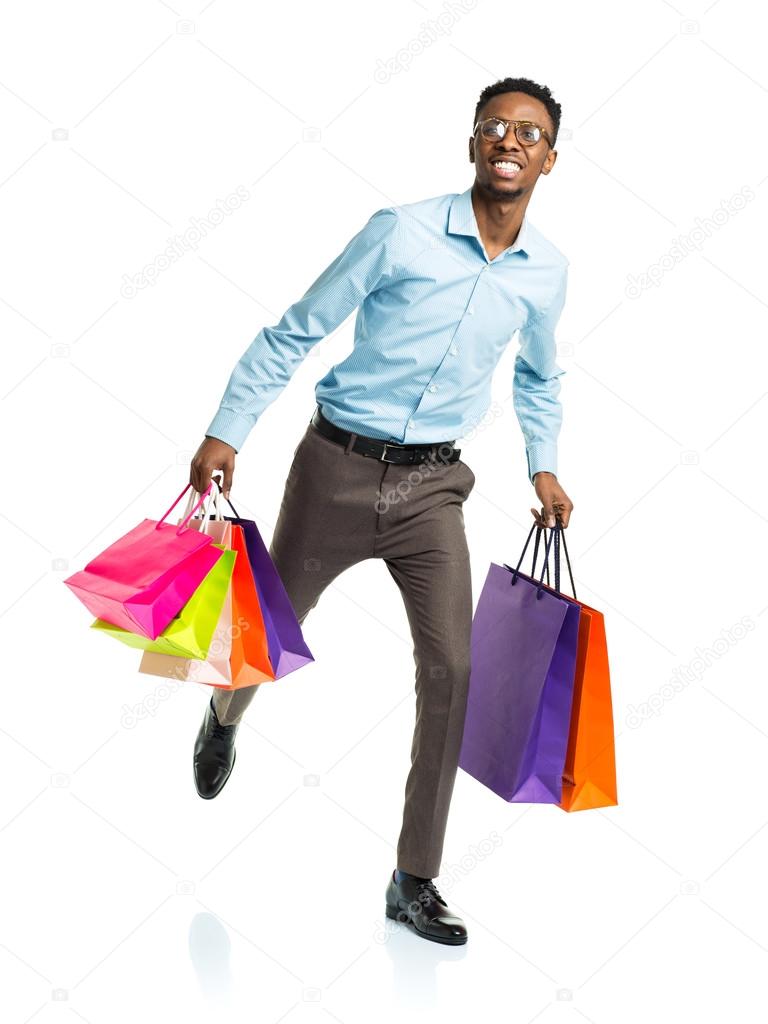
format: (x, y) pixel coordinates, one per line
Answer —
(549, 161)
(471, 150)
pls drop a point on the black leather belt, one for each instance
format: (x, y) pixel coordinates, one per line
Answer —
(385, 451)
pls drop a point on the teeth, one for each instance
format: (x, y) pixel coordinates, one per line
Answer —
(507, 165)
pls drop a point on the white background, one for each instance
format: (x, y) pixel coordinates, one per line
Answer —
(125, 896)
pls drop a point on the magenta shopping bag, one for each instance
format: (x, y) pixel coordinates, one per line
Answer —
(523, 664)
(144, 579)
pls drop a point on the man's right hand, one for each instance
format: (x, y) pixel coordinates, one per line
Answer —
(212, 455)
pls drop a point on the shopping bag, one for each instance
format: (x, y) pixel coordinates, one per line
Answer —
(288, 650)
(250, 652)
(142, 580)
(190, 633)
(213, 671)
(589, 775)
(238, 655)
(523, 659)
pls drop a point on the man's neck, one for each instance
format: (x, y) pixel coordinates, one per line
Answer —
(498, 220)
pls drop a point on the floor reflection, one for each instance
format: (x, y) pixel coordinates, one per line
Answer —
(209, 951)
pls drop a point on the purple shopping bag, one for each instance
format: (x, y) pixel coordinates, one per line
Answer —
(285, 642)
(523, 664)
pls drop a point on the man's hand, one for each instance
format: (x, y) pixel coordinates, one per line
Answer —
(212, 455)
(554, 500)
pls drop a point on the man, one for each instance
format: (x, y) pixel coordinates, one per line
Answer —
(442, 285)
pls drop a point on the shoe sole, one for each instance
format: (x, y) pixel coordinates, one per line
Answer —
(226, 780)
(405, 918)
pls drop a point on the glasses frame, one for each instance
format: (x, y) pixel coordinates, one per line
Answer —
(528, 145)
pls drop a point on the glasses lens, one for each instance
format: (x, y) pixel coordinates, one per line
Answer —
(528, 134)
(493, 129)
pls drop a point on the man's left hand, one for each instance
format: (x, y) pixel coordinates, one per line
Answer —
(554, 500)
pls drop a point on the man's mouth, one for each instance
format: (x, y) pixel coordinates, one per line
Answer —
(506, 168)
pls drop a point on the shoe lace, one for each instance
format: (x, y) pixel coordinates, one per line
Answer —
(428, 890)
(219, 731)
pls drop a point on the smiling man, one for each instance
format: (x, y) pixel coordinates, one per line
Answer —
(441, 286)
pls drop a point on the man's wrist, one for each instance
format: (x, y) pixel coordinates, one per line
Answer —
(213, 437)
(542, 457)
(230, 427)
(543, 472)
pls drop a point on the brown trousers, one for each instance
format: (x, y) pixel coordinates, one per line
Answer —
(340, 508)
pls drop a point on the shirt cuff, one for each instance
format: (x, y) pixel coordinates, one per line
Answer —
(230, 427)
(542, 457)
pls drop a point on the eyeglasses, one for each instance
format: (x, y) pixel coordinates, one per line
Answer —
(526, 132)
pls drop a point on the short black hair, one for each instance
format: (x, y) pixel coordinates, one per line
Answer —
(539, 92)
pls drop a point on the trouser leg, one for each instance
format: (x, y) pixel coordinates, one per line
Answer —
(431, 567)
(438, 603)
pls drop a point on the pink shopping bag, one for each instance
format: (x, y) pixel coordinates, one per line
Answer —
(143, 580)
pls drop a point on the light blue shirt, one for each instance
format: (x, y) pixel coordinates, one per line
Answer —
(434, 317)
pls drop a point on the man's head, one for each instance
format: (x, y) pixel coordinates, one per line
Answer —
(514, 99)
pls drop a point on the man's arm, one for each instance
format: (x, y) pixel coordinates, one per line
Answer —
(276, 352)
(536, 384)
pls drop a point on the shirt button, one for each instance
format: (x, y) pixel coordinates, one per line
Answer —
(470, 311)
(411, 423)
(433, 387)
(453, 350)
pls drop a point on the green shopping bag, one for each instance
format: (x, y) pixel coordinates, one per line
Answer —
(190, 633)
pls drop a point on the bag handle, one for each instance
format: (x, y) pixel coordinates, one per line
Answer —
(516, 570)
(557, 534)
(536, 551)
(213, 502)
(561, 537)
(204, 520)
(540, 588)
(186, 519)
(219, 493)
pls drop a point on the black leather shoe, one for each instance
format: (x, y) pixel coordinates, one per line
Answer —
(215, 753)
(417, 903)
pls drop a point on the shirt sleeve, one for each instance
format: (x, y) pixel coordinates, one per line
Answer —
(275, 354)
(536, 384)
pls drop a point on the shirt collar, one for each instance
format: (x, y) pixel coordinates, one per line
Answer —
(462, 221)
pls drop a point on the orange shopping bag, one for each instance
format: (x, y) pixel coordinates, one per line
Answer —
(589, 773)
(250, 652)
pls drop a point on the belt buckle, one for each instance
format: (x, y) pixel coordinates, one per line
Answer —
(382, 457)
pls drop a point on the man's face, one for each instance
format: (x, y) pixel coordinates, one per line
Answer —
(531, 160)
